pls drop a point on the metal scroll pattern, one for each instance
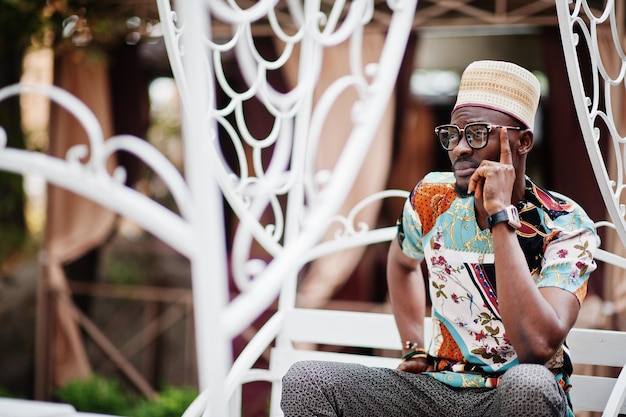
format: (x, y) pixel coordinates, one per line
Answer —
(591, 40)
(273, 177)
(280, 202)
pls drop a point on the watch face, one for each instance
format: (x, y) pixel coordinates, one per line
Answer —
(514, 220)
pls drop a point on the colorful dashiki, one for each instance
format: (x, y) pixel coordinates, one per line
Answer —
(470, 345)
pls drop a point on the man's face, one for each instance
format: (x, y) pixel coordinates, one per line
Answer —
(466, 159)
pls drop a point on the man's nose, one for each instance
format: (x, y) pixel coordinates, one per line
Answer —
(462, 147)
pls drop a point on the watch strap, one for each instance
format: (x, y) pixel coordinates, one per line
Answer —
(497, 217)
(509, 215)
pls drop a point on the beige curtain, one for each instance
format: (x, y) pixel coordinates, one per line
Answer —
(74, 225)
(326, 275)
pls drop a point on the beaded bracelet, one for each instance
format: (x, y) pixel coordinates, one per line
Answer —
(415, 353)
(410, 345)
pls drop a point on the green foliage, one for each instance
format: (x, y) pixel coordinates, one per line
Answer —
(51, 23)
(105, 396)
(125, 271)
(95, 395)
(14, 234)
(172, 402)
(6, 393)
(19, 20)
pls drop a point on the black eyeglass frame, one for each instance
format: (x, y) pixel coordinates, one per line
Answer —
(488, 126)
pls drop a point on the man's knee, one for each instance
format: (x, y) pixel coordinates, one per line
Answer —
(313, 375)
(529, 377)
(531, 388)
(316, 388)
(301, 376)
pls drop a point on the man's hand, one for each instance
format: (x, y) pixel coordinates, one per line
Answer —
(415, 365)
(493, 181)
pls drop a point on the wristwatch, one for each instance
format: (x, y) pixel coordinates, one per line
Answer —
(509, 215)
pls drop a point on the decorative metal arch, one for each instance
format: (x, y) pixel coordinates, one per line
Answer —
(252, 186)
(580, 22)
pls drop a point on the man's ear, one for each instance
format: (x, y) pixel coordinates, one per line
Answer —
(526, 141)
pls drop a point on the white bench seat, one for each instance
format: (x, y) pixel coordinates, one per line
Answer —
(340, 331)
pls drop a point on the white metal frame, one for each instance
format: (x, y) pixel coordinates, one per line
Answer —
(197, 229)
(579, 24)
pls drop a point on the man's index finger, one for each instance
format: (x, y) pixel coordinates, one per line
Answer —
(505, 148)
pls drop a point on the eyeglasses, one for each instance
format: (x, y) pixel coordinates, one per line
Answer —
(476, 134)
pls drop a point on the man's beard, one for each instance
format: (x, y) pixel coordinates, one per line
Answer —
(461, 191)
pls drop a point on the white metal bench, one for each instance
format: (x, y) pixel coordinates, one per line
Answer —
(375, 334)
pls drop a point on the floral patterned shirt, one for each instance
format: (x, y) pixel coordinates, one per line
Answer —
(558, 240)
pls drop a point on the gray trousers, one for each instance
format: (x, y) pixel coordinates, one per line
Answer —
(328, 389)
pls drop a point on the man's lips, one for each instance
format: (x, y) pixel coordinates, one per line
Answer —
(464, 168)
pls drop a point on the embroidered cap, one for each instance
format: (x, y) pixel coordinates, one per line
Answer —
(501, 86)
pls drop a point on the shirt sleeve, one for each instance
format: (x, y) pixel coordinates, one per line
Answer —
(568, 257)
(410, 231)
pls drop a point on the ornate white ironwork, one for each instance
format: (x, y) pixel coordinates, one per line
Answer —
(286, 188)
(580, 25)
(254, 188)
(91, 178)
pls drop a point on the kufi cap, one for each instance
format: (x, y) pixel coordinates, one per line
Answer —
(501, 86)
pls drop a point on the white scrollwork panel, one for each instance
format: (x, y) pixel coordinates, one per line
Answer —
(91, 178)
(282, 203)
(272, 185)
(253, 186)
(591, 38)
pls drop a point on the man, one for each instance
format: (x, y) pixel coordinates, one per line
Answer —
(507, 262)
